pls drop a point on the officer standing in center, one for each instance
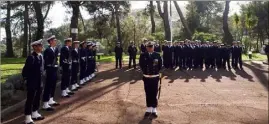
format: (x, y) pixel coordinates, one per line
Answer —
(118, 55)
(132, 54)
(150, 63)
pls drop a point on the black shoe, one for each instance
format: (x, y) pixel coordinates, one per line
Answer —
(147, 114)
(71, 93)
(38, 118)
(78, 87)
(154, 115)
(55, 104)
(48, 109)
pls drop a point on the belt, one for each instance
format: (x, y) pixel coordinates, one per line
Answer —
(151, 76)
(53, 66)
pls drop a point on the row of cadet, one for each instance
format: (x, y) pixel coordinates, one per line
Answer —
(194, 54)
(77, 65)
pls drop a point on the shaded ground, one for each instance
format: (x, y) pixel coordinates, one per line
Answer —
(196, 97)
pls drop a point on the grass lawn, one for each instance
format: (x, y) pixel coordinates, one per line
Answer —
(11, 66)
(255, 57)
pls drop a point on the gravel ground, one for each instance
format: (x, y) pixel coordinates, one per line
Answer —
(187, 97)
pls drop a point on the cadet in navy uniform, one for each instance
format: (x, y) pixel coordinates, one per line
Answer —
(150, 63)
(32, 73)
(168, 55)
(132, 54)
(207, 54)
(157, 48)
(83, 62)
(239, 55)
(233, 51)
(118, 55)
(75, 66)
(176, 54)
(94, 59)
(143, 46)
(65, 63)
(181, 55)
(51, 67)
(225, 56)
(89, 61)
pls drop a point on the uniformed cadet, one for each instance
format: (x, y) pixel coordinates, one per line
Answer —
(176, 53)
(213, 51)
(157, 47)
(150, 63)
(168, 55)
(132, 54)
(83, 63)
(181, 56)
(66, 63)
(233, 51)
(94, 59)
(75, 66)
(32, 73)
(51, 67)
(118, 55)
(239, 55)
(226, 56)
(189, 54)
(90, 61)
(200, 55)
(207, 54)
(143, 46)
(219, 56)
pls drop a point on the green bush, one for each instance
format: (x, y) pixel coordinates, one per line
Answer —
(204, 36)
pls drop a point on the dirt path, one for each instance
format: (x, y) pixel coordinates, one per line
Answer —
(189, 97)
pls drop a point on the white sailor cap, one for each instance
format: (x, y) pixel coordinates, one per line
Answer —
(39, 42)
(150, 43)
(93, 44)
(89, 44)
(238, 41)
(168, 41)
(118, 42)
(68, 39)
(82, 42)
(76, 41)
(51, 37)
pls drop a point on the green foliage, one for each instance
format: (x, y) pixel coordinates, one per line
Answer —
(2, 48)
(204, 36)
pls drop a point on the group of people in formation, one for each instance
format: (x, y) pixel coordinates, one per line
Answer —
(77, 65)
(189, 54)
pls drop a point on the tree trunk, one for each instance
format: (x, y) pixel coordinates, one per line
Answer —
(152, 17)
(30, 38)
(165, 18)
(183, 20)
(167, 27)
(118, 23)
(40, 20)
(25, 29)
(228, 38)
(9, 47)
(74, 20)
